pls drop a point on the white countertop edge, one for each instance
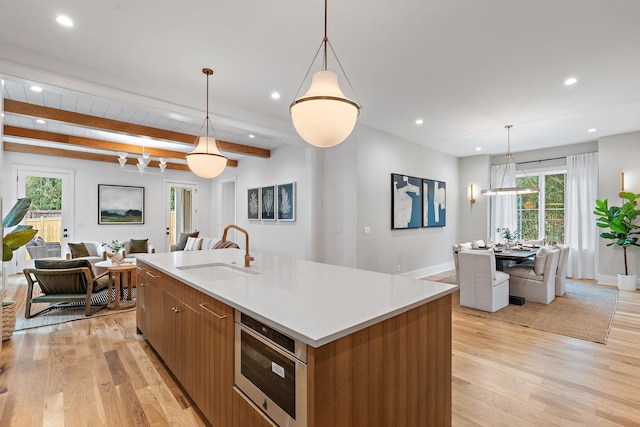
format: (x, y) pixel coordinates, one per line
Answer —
(312, 341)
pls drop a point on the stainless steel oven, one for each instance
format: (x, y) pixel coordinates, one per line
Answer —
(271, 369)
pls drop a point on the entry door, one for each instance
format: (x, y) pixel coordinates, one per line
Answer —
(51, 211)
(181, 214)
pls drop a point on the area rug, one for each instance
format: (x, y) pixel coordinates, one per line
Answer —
(16, 290)
(585, 312)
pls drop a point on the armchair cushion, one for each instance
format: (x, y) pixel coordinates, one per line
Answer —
(139, 246)
(78, 250)
(67, 283)
(182, 241)
(540, 260)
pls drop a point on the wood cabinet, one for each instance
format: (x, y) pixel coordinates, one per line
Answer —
(217, 361)
(193, 334)
(396, 372)
(246, 413)
(181, 345)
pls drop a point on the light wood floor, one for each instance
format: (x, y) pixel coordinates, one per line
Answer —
(98, 372)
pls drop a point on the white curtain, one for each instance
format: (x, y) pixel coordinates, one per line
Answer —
(504, 209)
(580, 231)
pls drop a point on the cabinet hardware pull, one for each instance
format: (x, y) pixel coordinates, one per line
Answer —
(143, 284)
(212, 312)
(155, 277)
(177, 310)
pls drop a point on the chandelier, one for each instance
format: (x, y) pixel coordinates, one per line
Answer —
(205, 160)
(142, 165)
(323, 116)
(502, 190)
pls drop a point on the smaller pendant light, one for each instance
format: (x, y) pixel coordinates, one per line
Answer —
(323, 116)
(205, 160)
(505, 191)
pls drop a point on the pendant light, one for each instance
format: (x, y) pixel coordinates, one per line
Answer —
(504, 191)
(205, 160)
(323, 116)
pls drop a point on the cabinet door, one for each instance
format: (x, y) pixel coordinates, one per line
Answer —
(153, 309)
(182, 342)
(217, 361)
(141, 299)
(245, 413)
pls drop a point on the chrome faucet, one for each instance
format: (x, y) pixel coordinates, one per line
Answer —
(247, 258)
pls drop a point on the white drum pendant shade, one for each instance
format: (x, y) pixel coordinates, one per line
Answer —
(324, 117)
(206, 161)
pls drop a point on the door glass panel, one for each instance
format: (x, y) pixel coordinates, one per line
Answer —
(45, 213)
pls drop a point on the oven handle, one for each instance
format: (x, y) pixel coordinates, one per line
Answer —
(269, 343)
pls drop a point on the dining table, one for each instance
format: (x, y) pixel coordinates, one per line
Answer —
(517, 254)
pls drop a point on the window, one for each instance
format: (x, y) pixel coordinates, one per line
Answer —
(542, 221)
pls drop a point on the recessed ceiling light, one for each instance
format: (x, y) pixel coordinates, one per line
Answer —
(36, 88)
(251, 135)
(275, 95)
(570, 81)
(419, 121)
(64, 20)
(592, 130)
(40, 121)
(478, 148)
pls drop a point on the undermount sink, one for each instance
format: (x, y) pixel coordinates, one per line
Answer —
(217, 271)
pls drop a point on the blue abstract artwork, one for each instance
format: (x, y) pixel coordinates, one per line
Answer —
(406, 201)
(435, 203)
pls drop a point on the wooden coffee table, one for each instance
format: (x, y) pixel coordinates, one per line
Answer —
(120, 276)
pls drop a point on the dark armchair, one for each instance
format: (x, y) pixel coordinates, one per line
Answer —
(63, 282)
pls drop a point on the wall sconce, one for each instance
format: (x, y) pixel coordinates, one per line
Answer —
(472, 199)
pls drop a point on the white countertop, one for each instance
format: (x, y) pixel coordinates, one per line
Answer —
(313, 302)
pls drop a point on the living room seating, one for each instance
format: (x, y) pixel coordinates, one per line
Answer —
(38, 248)
(194, 242)
(481, 286)
(536, 281)
(90, 251)
(137, 246)
(61, 282)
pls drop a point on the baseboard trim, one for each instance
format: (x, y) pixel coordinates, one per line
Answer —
(428, 271)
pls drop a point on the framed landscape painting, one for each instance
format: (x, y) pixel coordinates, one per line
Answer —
(406, 201)
(435, 203)
(253, 203)
(119, 204)
(269, 200)
(287, 202)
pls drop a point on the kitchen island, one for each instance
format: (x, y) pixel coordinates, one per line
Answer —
(379, 345)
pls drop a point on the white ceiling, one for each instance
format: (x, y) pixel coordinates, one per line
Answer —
(466, 67)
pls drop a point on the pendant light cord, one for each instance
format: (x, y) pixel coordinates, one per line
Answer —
(323, 45)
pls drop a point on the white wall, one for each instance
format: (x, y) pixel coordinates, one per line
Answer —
(88, 175)
(617, 153)
(286, 164)
(420, 251)
(473, 221)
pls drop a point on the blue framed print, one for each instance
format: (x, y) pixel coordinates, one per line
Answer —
(269, 200)
(287, 202)
(253, 203)
(434, 194)
(406, 201)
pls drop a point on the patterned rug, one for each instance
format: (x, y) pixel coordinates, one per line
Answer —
(585, 311)
(17, 290)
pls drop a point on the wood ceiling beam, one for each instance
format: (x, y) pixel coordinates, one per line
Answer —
(31, 110)
(59, 152)
(70, 154)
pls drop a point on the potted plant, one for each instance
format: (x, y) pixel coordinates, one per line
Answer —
(19, 236)
(623, 227)
(509, 236)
